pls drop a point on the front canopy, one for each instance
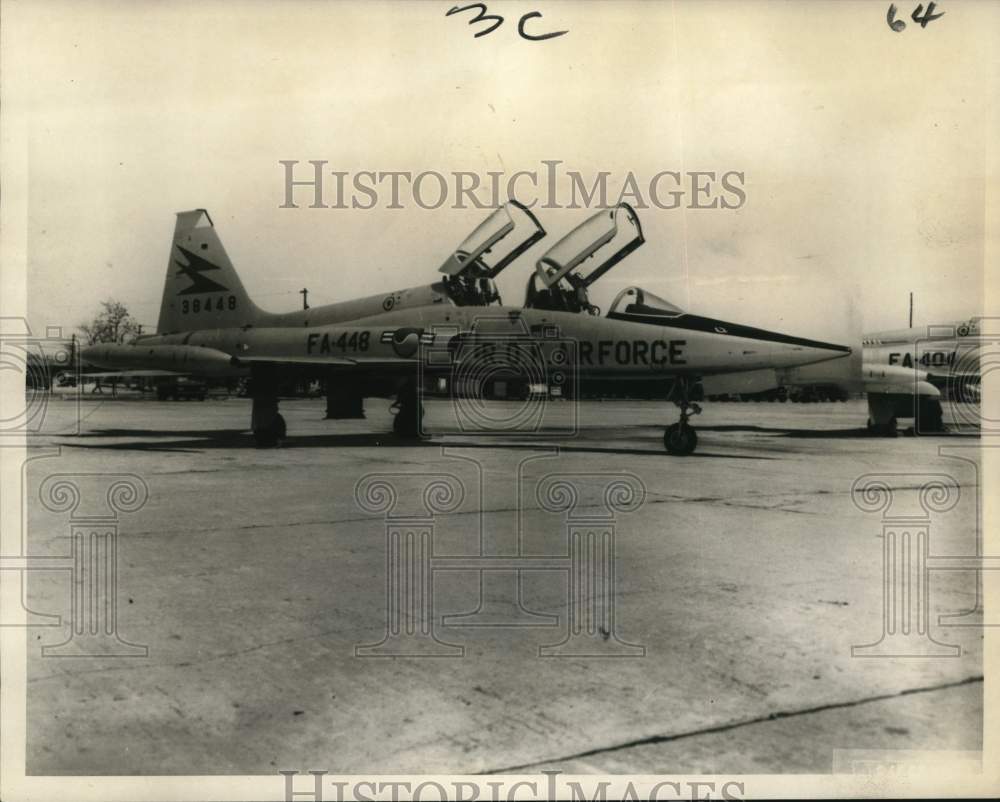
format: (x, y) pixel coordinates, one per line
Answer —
(480, 256)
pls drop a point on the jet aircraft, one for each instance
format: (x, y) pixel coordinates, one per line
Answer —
(949, 353)
(381, 345)
(905, 373)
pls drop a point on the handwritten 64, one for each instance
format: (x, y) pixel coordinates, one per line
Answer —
(918, 16)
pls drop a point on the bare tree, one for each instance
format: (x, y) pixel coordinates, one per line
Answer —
(114, 324)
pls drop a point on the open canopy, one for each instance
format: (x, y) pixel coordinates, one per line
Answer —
(615, 231)
(480, 254)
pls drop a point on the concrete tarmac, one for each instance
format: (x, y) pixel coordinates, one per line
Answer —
(257, 580)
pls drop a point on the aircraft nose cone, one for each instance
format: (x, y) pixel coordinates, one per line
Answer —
(822, 353)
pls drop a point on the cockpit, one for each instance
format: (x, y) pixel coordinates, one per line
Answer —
(556, 284)
(635, 303)
(471, 269)
(559, 282)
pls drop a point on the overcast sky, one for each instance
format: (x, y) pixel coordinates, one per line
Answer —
(863, 150)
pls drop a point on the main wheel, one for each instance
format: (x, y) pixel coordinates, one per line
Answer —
(680, 439)
(930, 419)
(406, 423)
(272, 434)
(888, 429)
(398, 424)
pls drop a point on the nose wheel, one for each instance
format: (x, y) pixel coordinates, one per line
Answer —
(680, 439)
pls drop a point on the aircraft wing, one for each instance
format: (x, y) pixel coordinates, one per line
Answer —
(327, 361)
(130, 374)
(200, 360)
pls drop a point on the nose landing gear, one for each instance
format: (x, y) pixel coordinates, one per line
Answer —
(680, 439)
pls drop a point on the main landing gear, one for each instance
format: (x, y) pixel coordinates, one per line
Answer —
(266, 422)
(680, 439)
(341, 403)
(883, 428)
(409, 412)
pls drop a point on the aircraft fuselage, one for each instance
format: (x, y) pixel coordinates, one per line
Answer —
(592, 345)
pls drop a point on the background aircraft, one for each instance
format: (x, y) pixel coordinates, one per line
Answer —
(949, 353)
(905, 373)
(381, 344)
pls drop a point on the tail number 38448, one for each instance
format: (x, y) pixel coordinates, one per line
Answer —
(219, 303)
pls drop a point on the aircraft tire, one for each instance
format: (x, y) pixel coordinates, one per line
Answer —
(680, 439)
(406, 424)
(888, 429)
(269, 437)
(265, 438)
(930, 420)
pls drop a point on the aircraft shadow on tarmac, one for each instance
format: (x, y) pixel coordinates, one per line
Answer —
(200, 440)
(822, 434)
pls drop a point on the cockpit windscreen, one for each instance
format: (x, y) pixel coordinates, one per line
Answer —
(637, 301)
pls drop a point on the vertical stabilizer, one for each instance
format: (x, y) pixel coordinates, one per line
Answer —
(202, 289)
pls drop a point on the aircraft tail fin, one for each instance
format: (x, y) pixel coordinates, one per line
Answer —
(202, 289)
